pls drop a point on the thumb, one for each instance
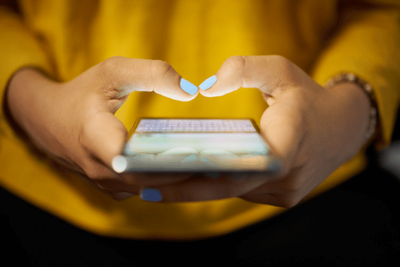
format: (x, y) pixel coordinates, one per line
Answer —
(270, 74)
(126, 75)
(283, 129)
(103, 136)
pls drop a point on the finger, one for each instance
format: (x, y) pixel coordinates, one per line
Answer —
(270, 74)
(103, 137)
(109, 184)
(202, 189)
(104, 179)
(128, 75)
(275, 199)
(282, 124)
(141, 180)
(293, 182)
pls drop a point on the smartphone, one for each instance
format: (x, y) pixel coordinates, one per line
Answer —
(195, 145)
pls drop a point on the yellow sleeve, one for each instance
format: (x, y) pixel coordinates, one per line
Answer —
(18, 48)
(367, 43)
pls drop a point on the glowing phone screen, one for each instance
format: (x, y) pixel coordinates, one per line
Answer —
(196, 145)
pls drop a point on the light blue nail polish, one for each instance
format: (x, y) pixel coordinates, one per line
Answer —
(151, 194)
(188, 87)
(208, 82)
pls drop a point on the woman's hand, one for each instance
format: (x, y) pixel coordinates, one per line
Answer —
(74, 121)
(313, 130)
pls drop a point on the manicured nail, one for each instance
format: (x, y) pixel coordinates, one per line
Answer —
(188, 87)
(151, 194)
(208, 83)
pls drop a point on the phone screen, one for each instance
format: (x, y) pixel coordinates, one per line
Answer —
(194, 145)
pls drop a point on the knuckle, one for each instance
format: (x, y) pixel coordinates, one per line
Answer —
(111, 63)
(283, 64)
(235, 62)
(280, 60)
(161, 68)
(109, 68)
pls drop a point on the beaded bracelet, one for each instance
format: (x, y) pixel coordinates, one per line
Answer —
(367, 88)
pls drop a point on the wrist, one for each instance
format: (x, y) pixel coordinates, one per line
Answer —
(349, 118)
(25, 100)
(363, 96)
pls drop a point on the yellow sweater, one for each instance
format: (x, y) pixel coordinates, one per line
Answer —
(65, 37)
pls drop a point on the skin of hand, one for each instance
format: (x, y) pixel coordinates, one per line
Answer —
(312, 130)
(74, 121)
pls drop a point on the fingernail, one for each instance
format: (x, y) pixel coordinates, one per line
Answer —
(188, 87)
(119, 163)
(151, 194)
(208, 82)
